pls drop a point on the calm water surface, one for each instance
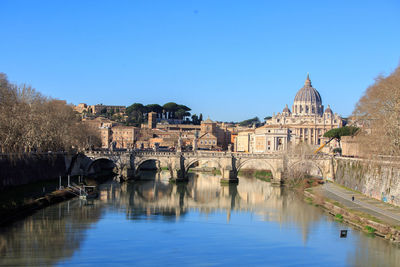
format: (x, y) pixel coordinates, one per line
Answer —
(200, 223)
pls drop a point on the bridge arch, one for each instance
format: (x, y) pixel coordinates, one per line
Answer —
(191, 162)
(142, 161)
(242, 163)
(313, 168)
(100, 163)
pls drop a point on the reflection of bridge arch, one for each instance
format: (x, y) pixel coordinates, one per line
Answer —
(309, 163)
(244, 162)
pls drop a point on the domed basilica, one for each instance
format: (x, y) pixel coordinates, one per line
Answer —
(308, 121)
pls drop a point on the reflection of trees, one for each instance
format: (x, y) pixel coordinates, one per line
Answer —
(374, 252)
(50, 235)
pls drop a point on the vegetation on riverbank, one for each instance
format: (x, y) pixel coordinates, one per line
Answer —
(264, 175)
(379, 109)
(361, 220)
(216, 172)
(30, 122)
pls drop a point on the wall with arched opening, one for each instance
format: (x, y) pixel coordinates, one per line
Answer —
(202, 165)
(100, 166)
(303, 169)
(253, 166)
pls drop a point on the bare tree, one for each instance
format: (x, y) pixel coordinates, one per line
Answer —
(379, 111)
(30, 121)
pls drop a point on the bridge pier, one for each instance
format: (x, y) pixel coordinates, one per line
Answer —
(229, 176)
(177, 168)
(277, 178)
(125, 173)
(178, 175)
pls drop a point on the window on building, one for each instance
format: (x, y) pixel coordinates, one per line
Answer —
(312, 110)
(307, 109)
(269, 143)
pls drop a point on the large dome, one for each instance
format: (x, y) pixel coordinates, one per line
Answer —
(308, 94)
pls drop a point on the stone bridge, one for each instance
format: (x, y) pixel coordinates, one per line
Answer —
(128, 163)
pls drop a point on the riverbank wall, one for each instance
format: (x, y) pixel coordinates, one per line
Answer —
(378, 179)
(23, 210)
(16, 170)
(29, 168)
(359, 220)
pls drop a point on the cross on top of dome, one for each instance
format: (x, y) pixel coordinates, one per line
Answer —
(308, 81)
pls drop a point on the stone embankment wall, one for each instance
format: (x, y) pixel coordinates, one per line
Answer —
(30, 168)
(377, 179)
(24, 169)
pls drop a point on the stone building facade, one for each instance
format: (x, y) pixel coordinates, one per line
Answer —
(270, 138)
(119, 136)
(213, 136)
(309, 121)
(307, 124)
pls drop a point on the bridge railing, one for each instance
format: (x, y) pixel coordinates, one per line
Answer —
(206, 154)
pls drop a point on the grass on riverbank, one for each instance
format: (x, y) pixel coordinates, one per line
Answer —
(340, 205)
(359, 219)
(304, 183)
(264, 175)
(216, 172)
(339, 217)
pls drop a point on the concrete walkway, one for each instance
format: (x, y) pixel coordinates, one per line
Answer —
(374, 207)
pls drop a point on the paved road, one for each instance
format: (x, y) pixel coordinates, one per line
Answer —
(362, 203)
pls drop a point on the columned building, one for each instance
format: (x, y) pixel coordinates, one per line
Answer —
(309, 121)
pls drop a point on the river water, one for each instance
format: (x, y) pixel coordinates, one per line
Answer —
(200, 223)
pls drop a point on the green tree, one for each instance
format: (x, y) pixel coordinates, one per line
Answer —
(155, 108)
(337, 133)
(249, 122)
(171, 108)
(195, 119)
(135, 107)
(135, 114)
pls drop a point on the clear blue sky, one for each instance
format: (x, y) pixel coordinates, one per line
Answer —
(230, 60)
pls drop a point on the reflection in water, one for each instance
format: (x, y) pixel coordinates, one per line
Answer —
(265, 219)
(49, 235)
(204, 193)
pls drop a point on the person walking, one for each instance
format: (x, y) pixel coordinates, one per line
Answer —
(352, 198)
